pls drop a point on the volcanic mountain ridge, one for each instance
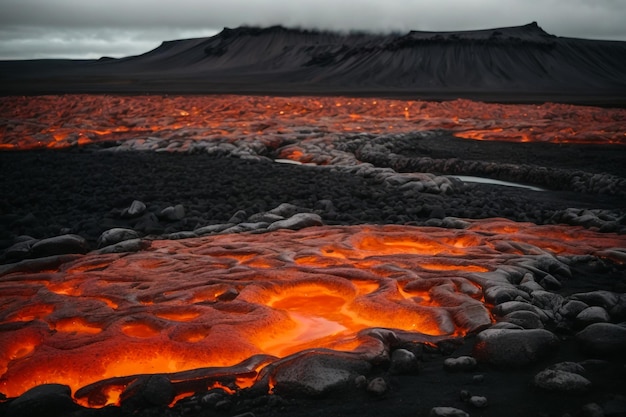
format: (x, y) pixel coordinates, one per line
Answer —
(521, 63)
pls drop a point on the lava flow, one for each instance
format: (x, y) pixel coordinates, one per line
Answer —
(98, 321)
(61, 121)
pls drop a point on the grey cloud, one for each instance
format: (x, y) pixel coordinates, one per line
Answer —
(125, 27)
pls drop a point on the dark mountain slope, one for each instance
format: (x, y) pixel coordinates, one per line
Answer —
(523, 62)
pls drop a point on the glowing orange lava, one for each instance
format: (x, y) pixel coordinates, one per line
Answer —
(183, 305)
(61, 121)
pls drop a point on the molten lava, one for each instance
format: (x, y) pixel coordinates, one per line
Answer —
(97, 322)
(61, 121)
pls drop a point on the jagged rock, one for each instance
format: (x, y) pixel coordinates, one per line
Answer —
(603, 339)
(238, 217)
(561, 381)
(59, 245)
(116, 235)
(514, 348)
(137, 208)
(547, 300)
(297, 221)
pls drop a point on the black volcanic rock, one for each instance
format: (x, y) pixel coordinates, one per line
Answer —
(513, 64)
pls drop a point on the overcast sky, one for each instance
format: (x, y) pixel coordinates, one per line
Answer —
(116, 28)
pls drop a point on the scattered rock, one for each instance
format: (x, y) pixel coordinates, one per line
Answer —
(285, 210)
(592, 315)
(238, 217)
(360, 381)
(501, 294)
(592, 410)
(561, 381)
(605, 299)
(173, 213)
(478, 401)
(547, 300)
(43, 400)
(59, 245)
(312, 374)
(511, 306)
(462, 363)
(572, 367)
(137, 208)
(572, 308)
(454, 223)
(549, 282)
(524, 319)
(377, 386)
(465, 395)
(603, 339)
(478, 379)
(116, 235)
(403, 362)
(514, 348)
(615, 407)
(20, 249)
(151, 390)
(297, 221)
(214, 228)
(447, 412)
(131, 245)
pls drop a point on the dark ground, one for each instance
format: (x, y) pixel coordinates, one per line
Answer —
(83, 190)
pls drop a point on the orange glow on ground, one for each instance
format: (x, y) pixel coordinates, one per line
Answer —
(179, 307)
(61, 121)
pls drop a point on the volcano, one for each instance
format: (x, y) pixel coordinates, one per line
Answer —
(523, 62)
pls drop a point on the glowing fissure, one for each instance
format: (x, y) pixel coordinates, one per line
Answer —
(53, 122)
(178, 307)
